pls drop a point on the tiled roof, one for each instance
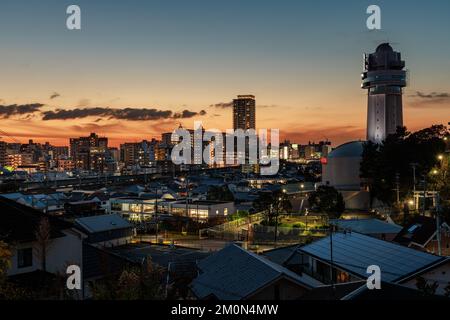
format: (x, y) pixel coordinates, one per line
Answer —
(367, 226)
(19, 222)
(234, 273)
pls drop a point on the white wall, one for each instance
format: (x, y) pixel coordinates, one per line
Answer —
(14, 260)
(342, 173)
(62, 252)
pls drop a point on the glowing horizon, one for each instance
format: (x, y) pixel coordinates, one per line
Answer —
(302, 61)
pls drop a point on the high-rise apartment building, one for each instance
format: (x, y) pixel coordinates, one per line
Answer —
(138, 153)
(244, 117)
(89, 153)
(244, 112)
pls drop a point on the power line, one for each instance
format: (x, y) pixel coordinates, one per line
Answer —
(8, 135)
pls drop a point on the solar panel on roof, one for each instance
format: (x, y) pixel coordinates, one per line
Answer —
(355, 252)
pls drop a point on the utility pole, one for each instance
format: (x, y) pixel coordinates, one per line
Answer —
(424, 194)
(438, 224)
(397, 187)
(306, 219)
(187, 195)
(331, 258)
(276, 226)
(156, 214)
(198, 221)
(414, 166)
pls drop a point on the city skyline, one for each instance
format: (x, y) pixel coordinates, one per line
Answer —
(188, 62)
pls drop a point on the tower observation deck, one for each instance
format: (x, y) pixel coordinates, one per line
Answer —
(384, 78)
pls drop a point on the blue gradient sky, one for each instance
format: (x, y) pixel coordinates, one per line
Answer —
(302, 60)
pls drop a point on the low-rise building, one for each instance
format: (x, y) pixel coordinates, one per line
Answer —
(19, 228)
(372, 227)
(106, 230)
(353, 253)
(421, 234)
(237, 274)
(134, 208)
(200, 210)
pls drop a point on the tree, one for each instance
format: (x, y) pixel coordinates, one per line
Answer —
(447, 290)
(43, 237)
(427, 289)
(328, 200)
(220, 193)
(272, 204)
(238, 215)
(8, 291)
(134, 283)
(383, 164)
(5, 261)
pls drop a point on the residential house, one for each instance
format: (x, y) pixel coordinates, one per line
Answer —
(18, 228)
(358, 291)
(106, 230)
(421, 233)
(372, 227)
(353, 253)
(234, 273)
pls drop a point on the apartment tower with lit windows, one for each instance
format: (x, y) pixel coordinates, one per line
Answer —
(244, 112)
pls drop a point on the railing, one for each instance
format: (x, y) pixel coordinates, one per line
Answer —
(234, 225)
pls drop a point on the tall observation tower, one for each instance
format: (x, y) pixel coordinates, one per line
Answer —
(384, 78)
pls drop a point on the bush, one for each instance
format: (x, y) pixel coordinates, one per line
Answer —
(299, 225)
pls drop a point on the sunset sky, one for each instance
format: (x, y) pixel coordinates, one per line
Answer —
(185, 60)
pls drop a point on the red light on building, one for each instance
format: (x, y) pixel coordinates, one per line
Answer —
(323, 160)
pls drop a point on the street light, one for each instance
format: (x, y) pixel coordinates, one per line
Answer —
(414, 166)
(440, 157)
